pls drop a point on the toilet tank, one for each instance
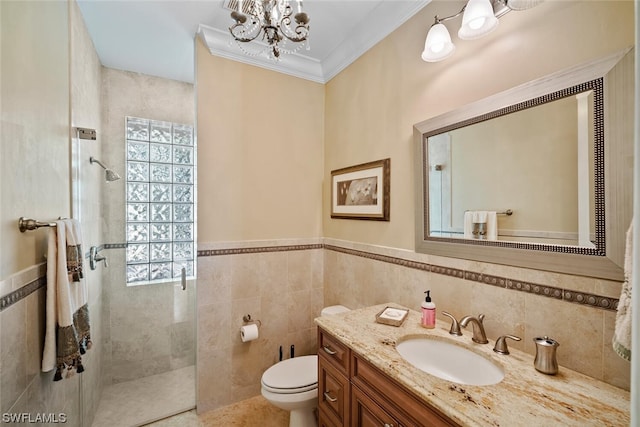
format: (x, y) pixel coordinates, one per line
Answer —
(333, 309)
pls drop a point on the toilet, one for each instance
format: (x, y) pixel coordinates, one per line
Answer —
(292, 384)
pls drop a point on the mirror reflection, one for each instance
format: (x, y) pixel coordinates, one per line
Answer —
(527, 173)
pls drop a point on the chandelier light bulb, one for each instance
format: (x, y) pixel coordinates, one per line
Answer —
(438, 44)
(477, 23)
(478, 20)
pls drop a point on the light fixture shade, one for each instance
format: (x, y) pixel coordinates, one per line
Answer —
(522, 4)
(438, 44)
(478, 20)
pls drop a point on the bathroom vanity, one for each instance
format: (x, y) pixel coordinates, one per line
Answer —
(364, 381)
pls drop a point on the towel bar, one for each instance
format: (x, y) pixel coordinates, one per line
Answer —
(508, 212)
(27, 224)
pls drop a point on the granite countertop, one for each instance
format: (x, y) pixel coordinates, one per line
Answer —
(524, 397)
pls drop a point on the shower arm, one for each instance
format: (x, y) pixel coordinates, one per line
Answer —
(94, 160)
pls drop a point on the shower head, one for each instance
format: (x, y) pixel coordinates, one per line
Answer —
(109, 174)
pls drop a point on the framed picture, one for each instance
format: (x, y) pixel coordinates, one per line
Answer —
(362, 191)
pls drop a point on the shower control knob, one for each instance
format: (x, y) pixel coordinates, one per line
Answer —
(95, 258)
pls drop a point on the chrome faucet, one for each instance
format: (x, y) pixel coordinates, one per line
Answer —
(479, 334)
(455, 327)
(501, 344)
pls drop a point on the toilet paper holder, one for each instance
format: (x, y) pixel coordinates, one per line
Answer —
(247, 320)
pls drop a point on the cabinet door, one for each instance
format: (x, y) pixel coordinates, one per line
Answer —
(366, 413)
(325, 420)
(333, 392)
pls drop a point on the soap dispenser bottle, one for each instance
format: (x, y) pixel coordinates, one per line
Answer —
(428, 312)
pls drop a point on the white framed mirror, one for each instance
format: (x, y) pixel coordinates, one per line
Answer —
(550, 161)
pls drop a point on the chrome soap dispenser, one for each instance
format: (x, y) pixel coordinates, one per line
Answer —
(545, 360)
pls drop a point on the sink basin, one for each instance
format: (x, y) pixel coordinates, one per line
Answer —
(449, 361)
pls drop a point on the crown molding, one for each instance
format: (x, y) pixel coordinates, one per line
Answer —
(217, 41)
(382, 21)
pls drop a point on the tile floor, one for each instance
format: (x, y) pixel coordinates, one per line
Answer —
(138, 402)
(253, 412)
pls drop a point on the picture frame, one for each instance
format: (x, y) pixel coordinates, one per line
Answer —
(362, 191)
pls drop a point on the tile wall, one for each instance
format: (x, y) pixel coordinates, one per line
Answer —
(76, 72)
(277, 282)
(151, 328)
(23, 388)
(286, 283)
(578, 312)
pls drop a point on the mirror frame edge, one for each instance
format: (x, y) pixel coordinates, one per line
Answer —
(603, 267)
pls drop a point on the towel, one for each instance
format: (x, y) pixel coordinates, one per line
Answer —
(67, 334)
(492, 225)
(468, 225)
(481, 225)
(622, 334)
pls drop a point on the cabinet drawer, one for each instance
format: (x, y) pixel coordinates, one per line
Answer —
(334, 351)
(366, 413)
(333, 393)
(406, 407)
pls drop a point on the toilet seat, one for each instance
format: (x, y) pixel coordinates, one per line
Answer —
(295, 375)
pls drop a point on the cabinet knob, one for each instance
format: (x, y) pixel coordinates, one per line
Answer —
(328, 350)
(388, 425)
(329, 398)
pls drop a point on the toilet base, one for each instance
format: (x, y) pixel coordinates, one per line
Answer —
(304, 417)
(301, 406)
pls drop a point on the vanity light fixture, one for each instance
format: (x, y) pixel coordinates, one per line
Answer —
(479, 18)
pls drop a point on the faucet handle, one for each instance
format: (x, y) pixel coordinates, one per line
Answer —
(501, 344)
(455, 327)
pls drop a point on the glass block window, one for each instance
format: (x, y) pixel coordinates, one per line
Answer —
(160, 200)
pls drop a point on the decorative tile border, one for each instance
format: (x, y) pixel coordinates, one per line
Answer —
(17, 295)
(114, 246)
(577, 297)
(27, 289)
(591, 300)
(255, 250)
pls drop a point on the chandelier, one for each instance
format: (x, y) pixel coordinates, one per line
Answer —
(272, 19)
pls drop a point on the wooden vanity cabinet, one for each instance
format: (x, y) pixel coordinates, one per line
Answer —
(352, 392)
(375, 396)
(367, 413)
(333, 381)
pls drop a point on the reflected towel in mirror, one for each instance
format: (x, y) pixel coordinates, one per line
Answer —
(481, 225)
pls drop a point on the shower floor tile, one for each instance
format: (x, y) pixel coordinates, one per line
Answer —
(138, 402)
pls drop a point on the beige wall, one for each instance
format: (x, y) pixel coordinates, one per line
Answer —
(35, 124)
(369, 112)
(34, 177)
(260, 135)
(372, 105)
(86, 108)
(261, 187)
(39, 107)
(260, 147)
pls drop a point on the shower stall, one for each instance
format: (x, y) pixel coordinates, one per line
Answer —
(148, 224)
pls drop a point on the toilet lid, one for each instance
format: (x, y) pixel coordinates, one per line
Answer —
(292, 375)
